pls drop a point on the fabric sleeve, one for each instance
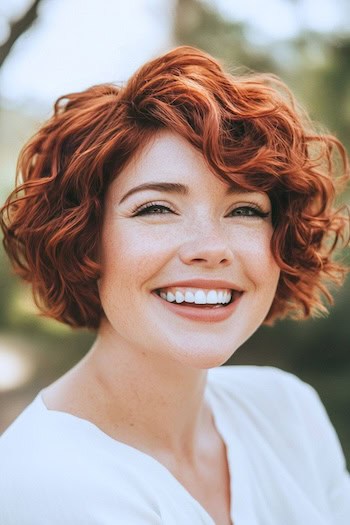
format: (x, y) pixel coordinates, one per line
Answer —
(328, 451)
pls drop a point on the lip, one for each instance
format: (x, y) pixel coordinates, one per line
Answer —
(204, 315)
(209, 284)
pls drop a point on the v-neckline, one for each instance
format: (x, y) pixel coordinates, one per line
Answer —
(241, 497)
(240, 504)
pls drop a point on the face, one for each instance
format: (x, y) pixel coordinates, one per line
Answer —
(187, 269)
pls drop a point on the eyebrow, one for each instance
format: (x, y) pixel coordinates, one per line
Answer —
(169, 187)
(173, 187)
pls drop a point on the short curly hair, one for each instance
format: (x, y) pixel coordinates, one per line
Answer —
(250, 132)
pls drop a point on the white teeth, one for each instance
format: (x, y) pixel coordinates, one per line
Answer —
(227, 297)
(199, 297)
(170, 297)
(212, 297)
(189, 297)
(179, 297)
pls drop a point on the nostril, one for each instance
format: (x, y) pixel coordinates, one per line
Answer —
(207, 252)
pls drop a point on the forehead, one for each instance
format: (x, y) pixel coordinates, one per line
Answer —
(166, 154)
(168, 159)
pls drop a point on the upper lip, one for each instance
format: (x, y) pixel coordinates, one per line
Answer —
(210, 284)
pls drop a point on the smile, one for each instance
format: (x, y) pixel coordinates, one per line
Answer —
(197, 296)
(200, 304)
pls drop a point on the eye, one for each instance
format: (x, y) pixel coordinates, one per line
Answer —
(152, 208)
(248, 211)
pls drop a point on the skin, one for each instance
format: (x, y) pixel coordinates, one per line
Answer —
(144, 377)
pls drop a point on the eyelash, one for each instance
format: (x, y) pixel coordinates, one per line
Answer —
(148, 209)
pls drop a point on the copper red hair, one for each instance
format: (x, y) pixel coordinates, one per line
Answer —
(251, 134)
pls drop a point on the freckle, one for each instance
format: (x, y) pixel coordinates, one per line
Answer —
(131, 424)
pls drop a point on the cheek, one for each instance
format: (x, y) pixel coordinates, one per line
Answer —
(133, 254)
(257, 259)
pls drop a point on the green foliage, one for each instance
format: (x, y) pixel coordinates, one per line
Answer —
(6, 288)
(197, 24)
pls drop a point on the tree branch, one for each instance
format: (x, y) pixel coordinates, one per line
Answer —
(17, 28)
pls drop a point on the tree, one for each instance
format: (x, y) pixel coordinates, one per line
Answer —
(17, 28)
(201, 25)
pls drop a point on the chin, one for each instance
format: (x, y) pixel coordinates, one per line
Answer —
(203, 359)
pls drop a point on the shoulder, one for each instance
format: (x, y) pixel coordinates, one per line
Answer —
(33, 456)
(287, 413)
(21, 435)
(36, 433)
(273, 393)
(276, 403)
(55, 464)
(251, 374)
(260, 384)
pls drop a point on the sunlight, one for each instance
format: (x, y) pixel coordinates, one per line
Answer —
(15, 369)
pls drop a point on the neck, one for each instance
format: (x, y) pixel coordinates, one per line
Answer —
(156, 403)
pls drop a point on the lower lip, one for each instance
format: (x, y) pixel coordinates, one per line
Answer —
(208, 315)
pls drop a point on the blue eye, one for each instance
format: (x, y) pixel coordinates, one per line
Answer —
(249, 211)
(152, 209)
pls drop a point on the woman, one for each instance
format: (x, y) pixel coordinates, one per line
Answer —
(173, 216)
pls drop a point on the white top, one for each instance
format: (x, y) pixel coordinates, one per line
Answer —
(285, 461)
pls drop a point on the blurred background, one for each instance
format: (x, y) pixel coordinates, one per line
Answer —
(52, 47)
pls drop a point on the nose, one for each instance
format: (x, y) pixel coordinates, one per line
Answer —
(208, 250)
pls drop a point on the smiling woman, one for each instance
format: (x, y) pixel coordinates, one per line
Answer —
(180, 247)
(174, 215)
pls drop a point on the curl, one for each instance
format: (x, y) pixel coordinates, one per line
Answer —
(251, 133)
